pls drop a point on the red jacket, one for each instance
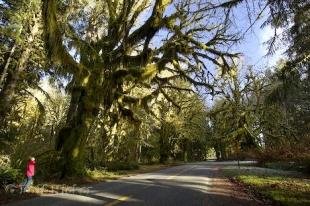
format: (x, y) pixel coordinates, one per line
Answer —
(30, 168)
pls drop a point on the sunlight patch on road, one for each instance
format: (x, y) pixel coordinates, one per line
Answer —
(79, 198)
(119, 200)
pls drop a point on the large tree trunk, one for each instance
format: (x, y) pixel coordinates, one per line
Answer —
(6, 96)
(185, 150)
(71, 141)
(9, 87)
(72, 138)
(163, 149)
(6, 67)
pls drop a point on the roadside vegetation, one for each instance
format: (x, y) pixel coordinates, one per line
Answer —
(273, 186)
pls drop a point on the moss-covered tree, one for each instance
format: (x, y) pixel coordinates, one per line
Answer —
(115, 51)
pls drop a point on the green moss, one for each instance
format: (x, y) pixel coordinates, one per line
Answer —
(75, 152)
(100, 175)
(150, 71)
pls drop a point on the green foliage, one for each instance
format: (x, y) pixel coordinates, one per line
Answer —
(285, 113)
(46, 165)
(10, 175)
(7, 173)
(234, 118)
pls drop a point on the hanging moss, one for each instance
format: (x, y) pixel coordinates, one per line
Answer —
(150, 71)
(106, 74)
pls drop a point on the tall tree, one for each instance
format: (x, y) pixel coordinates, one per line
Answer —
(235, 117)
(115, 53)
(22, 49)
(291, 79)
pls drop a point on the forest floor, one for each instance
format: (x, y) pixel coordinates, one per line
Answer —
(273, 186)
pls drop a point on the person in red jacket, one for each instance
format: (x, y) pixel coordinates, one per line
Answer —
(29, 173)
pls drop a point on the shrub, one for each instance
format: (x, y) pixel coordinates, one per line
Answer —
(9, 175)
(119, 165)
(47, 165)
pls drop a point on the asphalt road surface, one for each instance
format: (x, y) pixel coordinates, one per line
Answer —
(189, 184)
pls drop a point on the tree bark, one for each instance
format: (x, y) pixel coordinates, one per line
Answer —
(163, 147)
(71, 141)
(6, 67)
(9, 88)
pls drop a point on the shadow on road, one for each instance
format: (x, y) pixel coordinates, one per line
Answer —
(192, 184)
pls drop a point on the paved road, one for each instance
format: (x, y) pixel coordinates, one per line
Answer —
(190, 184)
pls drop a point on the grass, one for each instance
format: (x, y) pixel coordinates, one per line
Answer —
(102, 175)
(283, 189)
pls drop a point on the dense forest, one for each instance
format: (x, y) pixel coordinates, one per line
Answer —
(92, 84)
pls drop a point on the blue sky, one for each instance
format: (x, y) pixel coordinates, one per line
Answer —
(253, 45)
(254, 50)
